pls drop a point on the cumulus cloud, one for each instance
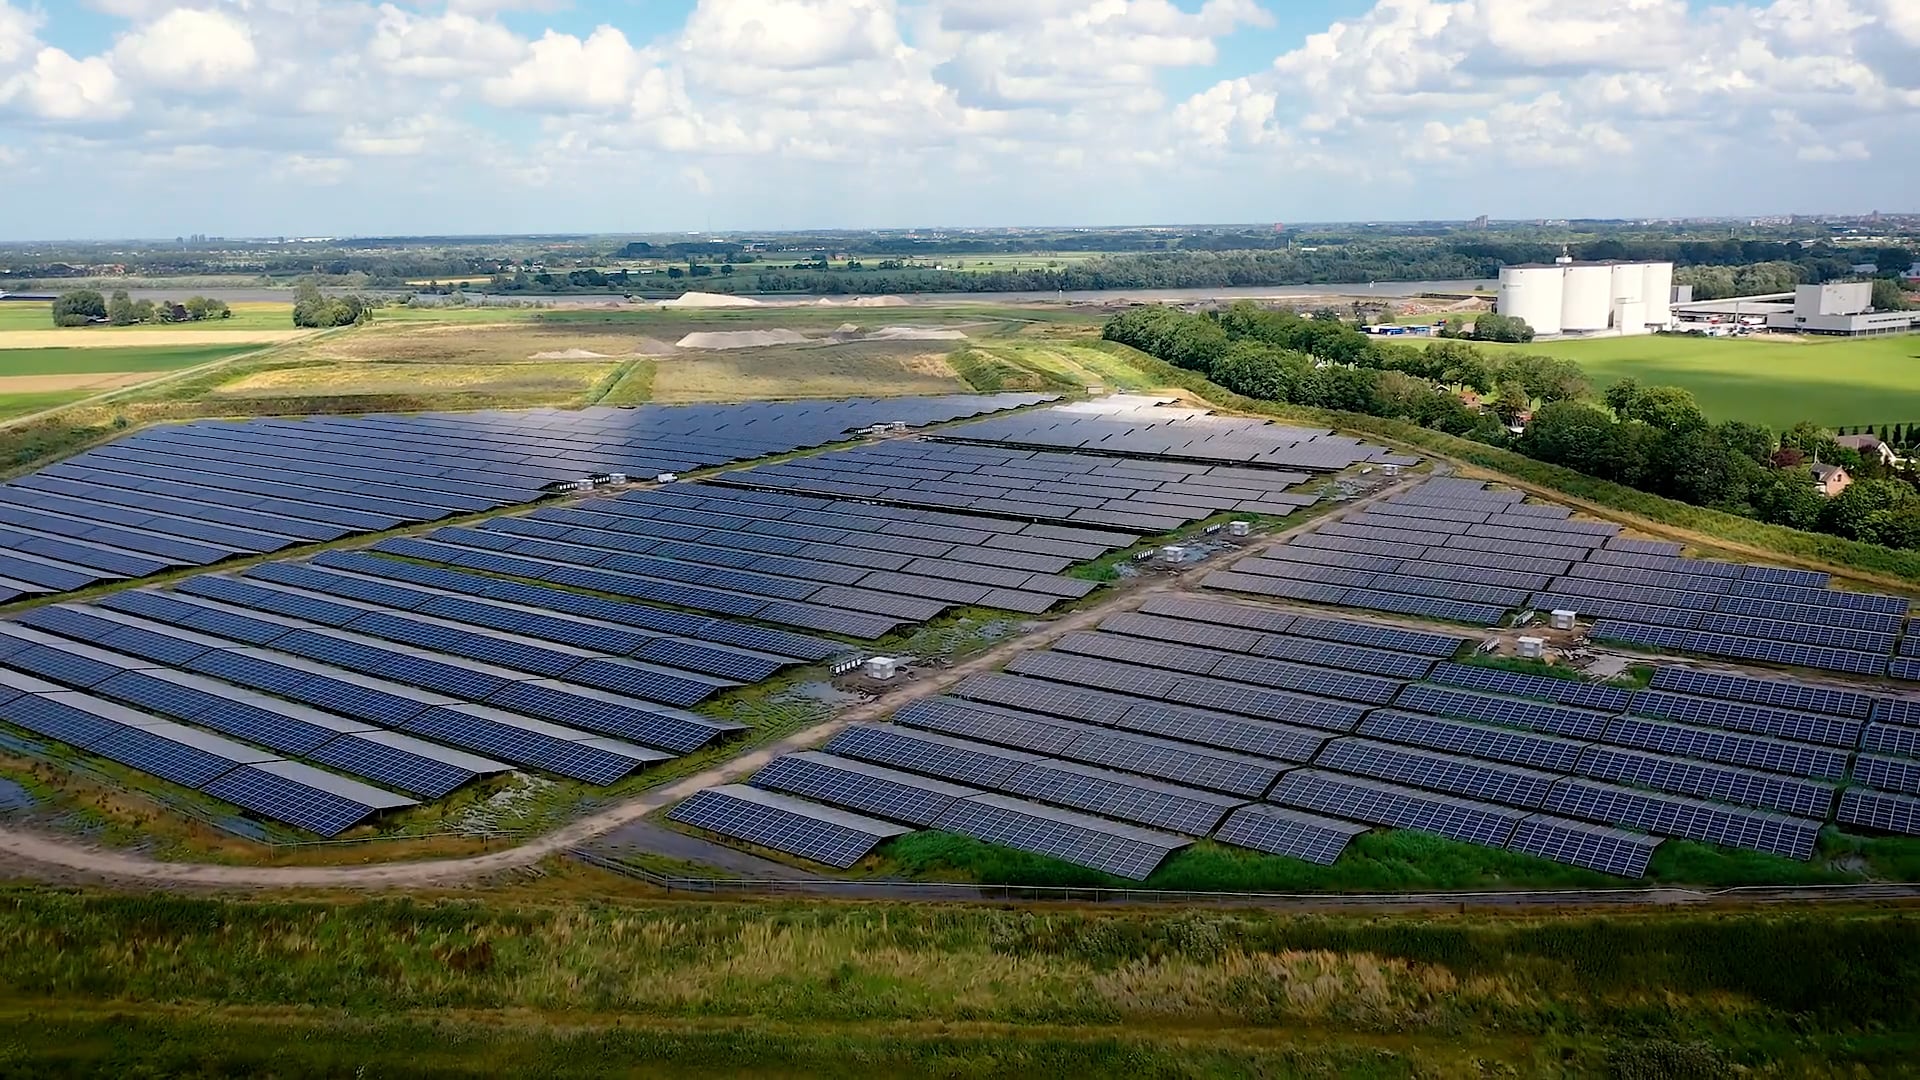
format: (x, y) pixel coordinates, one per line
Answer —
(60, 87)
(188, 49)
(562, 73)
(449, 46)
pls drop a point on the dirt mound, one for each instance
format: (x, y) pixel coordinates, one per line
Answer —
(741, 339)
(709, 300)
(569, 354)
(915, 333)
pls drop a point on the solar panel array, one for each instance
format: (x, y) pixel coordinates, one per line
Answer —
(200, 493)
(1149, 722)
(413, 677)
(1454, 550)
(1077, 489)
(835, 838)
(1129, 426)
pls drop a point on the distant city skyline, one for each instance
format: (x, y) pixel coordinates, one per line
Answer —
(140, 118)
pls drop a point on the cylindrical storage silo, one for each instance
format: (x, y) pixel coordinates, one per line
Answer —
(1659, 294)
(1629, 282)
(1532, 294)
(1586, 306)
(1630, 316)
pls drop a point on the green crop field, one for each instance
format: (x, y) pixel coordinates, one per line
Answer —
(246, 318)
(1842, 382)
(53, 362)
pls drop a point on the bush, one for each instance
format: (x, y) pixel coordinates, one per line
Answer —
(79, 307)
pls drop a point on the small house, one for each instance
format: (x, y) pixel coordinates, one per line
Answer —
(1830, 480)
(1869, 446)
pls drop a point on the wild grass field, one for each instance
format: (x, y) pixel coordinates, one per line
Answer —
(855, 369)
(1834, 383)
(566, 977)
(34, 380)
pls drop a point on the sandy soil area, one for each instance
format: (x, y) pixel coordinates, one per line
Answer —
(83, 338)
(742, 339)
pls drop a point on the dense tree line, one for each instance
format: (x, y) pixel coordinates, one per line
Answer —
(1652, 438)
(82, 307)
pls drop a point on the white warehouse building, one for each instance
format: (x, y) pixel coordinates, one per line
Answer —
(1589, 298)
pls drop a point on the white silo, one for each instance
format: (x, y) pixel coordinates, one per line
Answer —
(1532, 294)
(1587, 304)
(1659, 293)
(1629, 308)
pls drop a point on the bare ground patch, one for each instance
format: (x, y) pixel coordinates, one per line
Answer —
(82, 338)
(48, 384)
(556, 380)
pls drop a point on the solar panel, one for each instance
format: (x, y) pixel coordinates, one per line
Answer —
(170, 752)
(1576, 843)
(856, 785)
(1897, 710)
(525, 741)
(1126, 851)
(1379, 803)
(1710, 744)
(933, 754)
(1177, 809)
(1693, 819)
(1521, 684)
(1548, 752)
(1631, 633)
(1564, 720)
(966, 719)
(1742, 716)
(1434, 771)
(650, 725)
(406, 763)
(1887, 774)
(1891, 739)
(1880, 810)
(1279, 831)
(783, 823)
(1791, 695)
(304, 796)
(1783, 652)
(1720, 783)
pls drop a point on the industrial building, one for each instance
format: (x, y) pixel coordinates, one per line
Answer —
(1843, 309)
(1568, 298)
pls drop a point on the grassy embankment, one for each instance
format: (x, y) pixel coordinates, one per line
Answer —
(519, 983)
(1832, 382)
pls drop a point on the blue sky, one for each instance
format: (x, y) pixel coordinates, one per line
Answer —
(330, 117)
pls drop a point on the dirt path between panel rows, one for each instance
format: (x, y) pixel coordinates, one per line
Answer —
(59, 856)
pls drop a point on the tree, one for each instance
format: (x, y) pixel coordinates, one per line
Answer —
(1755, 442)
(1694, 466)
(79, 307)
(144, 311)
(1492, 327)
(1462, 365)
(1511, 402)
(1621, 396)
(1261, 371)
(1787, 497)
(1889, 296)
(1849, 513)
(1548, 378)
(120, 309)
(1668, 408)
(1454, 327)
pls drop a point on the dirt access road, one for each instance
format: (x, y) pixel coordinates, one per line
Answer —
(66, 858)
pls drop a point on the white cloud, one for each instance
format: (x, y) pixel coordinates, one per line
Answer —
(59, 87)
(17, 28)
(188, 49)
(565, 74)
(790, 34)
(313, 170)
(449, 46)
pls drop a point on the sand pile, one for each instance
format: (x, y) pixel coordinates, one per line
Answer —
(915, 333)
(741, 339)
(570, 354)
(709, 300)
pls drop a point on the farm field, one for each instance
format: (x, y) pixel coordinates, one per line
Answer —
(32, 380)
(439, 986)
(1778, 383)
(26, 325)
(555, 382)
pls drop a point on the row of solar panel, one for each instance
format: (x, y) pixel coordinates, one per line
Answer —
(205, 492)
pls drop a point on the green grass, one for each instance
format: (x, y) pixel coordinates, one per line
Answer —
(246, 316)
(1779, 383)
(12, 405)
(101, 361)
(566, 983)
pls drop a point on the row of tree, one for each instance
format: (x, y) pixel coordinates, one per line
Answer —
(1653, 438)
(84, 307)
